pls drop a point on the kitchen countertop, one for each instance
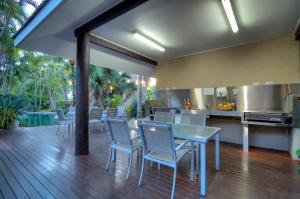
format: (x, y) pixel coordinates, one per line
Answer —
(217, 112)
(226, 113)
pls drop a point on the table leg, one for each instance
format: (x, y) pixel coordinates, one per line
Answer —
(192, 161)
(203, 169)
(217, 151)
(245, 138)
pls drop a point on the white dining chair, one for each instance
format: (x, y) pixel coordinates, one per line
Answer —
(194, 119)
(123, 139)
(121, 113)
(159, 147)
(63, 121)
(111, 112)
(95, 118)
(164, 117)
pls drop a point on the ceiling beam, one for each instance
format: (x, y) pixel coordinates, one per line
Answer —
(120, 49)
(297, 33)
(108, 15)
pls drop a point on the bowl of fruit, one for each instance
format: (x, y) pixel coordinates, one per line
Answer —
(226, 106)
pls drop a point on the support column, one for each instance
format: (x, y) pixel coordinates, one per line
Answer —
(82, 96)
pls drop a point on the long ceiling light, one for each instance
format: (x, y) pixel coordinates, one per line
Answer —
(230, 15)
(148, 41)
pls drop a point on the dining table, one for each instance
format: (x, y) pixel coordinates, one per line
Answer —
(200, 135)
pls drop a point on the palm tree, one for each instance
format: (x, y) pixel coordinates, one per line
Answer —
(107, 84)
(12, 16)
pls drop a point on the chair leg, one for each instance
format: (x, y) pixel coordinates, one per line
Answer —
(174, 182)
(151, 164)
(142, 171)
(58, 129)
(114, 155)
(69, 127)
(130, 165)
(65, 129)
(158, 166)
(109, 158)
(192, 161)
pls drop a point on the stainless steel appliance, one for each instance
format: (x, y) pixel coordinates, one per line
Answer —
(268, 119)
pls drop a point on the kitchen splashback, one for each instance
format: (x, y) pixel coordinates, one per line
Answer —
(268, 98)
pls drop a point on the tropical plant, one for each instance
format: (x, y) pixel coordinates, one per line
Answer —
(12, 16)
(47, 82)
(10, 106)
(109, 87)
(7, 117)
(115, 101)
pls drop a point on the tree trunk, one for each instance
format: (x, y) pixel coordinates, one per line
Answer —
(139, 97)
(35, 92)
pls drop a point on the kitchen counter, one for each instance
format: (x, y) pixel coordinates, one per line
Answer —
(238, 114)
(226, 113)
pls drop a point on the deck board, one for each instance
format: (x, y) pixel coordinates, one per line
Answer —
(15, 186)
(37, 163)
(29, 190)
(5, 188)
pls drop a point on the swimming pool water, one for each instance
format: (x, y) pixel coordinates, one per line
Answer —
(37, 119)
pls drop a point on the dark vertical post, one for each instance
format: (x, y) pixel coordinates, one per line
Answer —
(82, 96)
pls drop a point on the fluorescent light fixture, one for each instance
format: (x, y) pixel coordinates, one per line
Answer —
(230, 15)
(148, 41)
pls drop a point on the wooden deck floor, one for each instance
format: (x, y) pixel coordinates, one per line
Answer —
(36, 163)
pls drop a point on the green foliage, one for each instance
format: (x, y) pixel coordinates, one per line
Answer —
(115, 101)
(12, 103)
(134, 108)
(9, 107)
(109, 88)
(7, 117)
(47, 82)
(298, 153)
(151, 92)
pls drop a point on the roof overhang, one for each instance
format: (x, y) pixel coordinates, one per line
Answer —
(201, 26)
(51, 31)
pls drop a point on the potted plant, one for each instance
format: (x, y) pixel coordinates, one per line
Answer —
(10, 106)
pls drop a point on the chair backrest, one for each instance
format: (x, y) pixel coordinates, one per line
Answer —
(119, 130)
(95, 113)
(158, 137)
(111, 113)
(72, 109)
(60, 115)
(120, 112)
(164, 117)
(194, 119)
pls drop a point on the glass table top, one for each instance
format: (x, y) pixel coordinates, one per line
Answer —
(188, 132)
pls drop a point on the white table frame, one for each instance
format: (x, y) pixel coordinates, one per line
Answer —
(202, 143)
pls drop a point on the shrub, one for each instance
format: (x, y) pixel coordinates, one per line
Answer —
(10, 106)
(115, 101)
(7, 117)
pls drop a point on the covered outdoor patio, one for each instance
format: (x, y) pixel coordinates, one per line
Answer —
(149, 38)
(37, 163)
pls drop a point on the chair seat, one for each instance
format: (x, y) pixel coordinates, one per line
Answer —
(133, 134)
(94, 121)
(136, 143)
(166, 157)
(180, 141)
